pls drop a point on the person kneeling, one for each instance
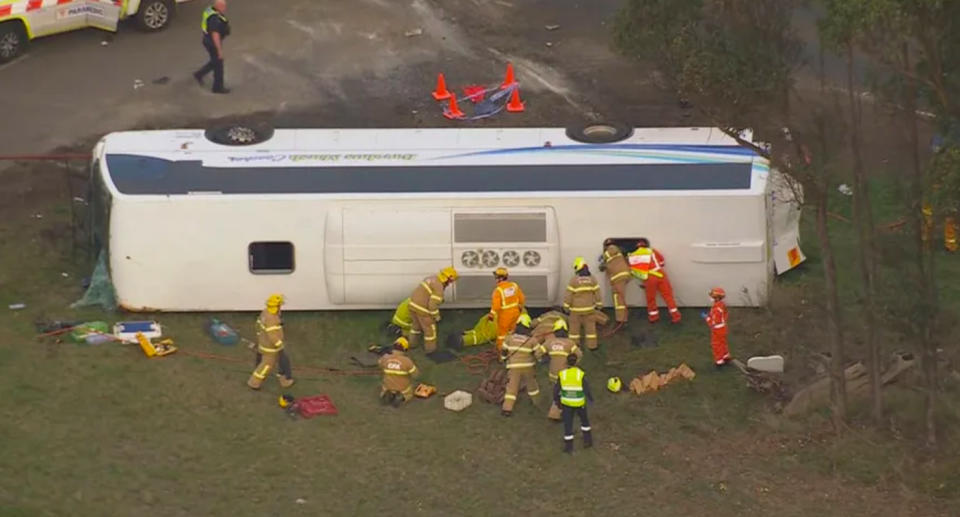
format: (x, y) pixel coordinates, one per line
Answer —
(398, 374)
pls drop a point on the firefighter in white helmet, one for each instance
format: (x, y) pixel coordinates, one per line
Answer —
(270, 346)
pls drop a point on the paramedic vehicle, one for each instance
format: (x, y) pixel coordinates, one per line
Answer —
(24, 20)
(355, 218)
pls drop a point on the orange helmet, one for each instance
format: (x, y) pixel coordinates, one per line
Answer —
(718, 292)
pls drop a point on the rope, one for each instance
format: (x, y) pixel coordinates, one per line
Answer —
(479, 364)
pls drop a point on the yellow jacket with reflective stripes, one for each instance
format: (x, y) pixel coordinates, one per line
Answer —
(427, 297)
(559, 348)
(583, 294)
(398, 371)
(615, 264)
(522, 351)
(269, 332)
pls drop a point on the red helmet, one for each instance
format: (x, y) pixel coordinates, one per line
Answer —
(718, 292)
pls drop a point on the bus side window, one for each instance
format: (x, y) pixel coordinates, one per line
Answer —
(271, 257)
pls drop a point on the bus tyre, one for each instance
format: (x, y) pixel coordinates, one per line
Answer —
(600, 132)
(13, 40)
(240, 134)
(154, 15)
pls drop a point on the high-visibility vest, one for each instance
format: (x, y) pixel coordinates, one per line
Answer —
(644, 262)
(508, 295)
(207, 13)
(571, 387)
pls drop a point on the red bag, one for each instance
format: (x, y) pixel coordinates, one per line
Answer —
(309, 407)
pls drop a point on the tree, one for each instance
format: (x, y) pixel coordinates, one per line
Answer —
(736, 61)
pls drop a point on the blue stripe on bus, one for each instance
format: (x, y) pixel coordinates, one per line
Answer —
(728, 150)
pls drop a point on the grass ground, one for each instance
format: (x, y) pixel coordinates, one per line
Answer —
(100, 430)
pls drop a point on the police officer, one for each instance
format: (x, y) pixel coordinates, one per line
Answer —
(571, 393)
(215, 29)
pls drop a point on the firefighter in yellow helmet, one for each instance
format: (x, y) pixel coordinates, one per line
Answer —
(558, 348)
(270, 346)
(615, 265)
(506, 305)
(544, 324)
(398, 374)
(520, 351)
(425, 307)
(582, 300)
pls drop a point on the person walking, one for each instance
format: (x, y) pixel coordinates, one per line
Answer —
(215, 28)
(571, 393)
(270, 347)
(717, 321)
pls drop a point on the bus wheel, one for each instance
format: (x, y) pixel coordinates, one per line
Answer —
(154, 15)
(240, 134)
(600, 132)
(13, 41)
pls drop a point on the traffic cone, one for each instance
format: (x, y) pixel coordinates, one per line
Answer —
(441, 93)
(453, 111)
(515, 105)
(508, 79)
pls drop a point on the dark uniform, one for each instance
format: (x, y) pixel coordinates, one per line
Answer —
(213, 21)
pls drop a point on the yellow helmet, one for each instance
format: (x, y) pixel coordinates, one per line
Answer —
(285, 401)
(501, 272)
(579, 263)
(524, 320)
(614, 384)
(402, 341)
(447, 274)
(560, 324)
(275, 300)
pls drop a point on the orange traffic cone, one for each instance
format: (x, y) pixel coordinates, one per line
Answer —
(453, 111)
(515, 105)
(508, 79)
(441, 93)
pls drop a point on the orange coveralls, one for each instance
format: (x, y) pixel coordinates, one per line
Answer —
(717, 321)
(506, 305)
(647, 264)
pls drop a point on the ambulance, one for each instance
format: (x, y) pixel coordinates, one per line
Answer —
(24, 20)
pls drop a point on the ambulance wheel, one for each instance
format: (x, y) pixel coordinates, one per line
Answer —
(600, 132)
(240, 134)
(154, 15)
(13, 40)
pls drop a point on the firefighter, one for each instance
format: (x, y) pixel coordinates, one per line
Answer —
(506, 305)
(424, 307)
(647, 264)
(559, 347)
(582, 300)
(717, 321)
(402, 320)
(270, 348)
(615, 266)
(398, 374)
(521, 352)
(543, 324)
(571, 393)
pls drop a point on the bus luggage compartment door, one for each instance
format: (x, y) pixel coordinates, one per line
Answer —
(375, 256)
(524, 240)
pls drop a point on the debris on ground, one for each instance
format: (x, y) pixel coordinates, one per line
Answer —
(17, 306)
(415, 32)
(128, 331)
(151, 349)
(817, 394)
(845, 189)
(493, 387)
(137, 84)
(161, 80)
(458, 400)
(653, 381)
(474, 92)
(551, 27)
(769, 364)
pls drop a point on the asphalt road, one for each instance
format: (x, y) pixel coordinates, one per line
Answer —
(323, 63)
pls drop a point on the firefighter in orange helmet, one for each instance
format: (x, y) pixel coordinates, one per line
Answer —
(425, 307)
(398, 374)
(647, 264)
(615, 265)
(717, 321)
(582, 300)
(270, 347)
(506, 305)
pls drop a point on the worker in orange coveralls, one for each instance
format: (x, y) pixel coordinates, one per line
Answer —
(717, 321)
(506, 305)
(647, 264)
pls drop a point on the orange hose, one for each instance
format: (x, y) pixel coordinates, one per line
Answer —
(308, 369)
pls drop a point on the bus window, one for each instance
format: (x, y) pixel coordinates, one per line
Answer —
(271, 257)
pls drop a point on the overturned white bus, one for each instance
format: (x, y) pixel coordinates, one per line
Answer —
(353, 219)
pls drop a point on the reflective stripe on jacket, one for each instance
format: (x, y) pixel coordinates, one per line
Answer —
(717, 319)
(571, 387)
(583, 294)
(207, 14)
(269, 332)
(522, 351)
(507, 295)
(427, 297)
(645, 262)
(615, 264)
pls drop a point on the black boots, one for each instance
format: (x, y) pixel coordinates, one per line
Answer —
(568, 446)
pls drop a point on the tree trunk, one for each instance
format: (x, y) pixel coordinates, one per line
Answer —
(924, 257)
(863, 217)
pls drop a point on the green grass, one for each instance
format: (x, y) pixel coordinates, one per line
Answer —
(101, 430)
